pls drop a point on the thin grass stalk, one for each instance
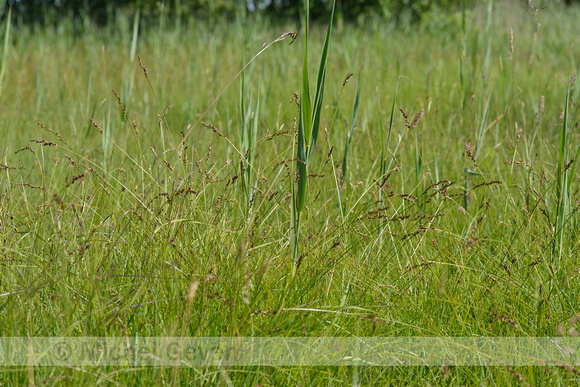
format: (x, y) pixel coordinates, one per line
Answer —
(561, 185)
(255, 123)
(487, 35)
(243, 136)
(569, 190)
(479, 137)
(436, 168)
(253, 133)
(337, 179)
(248, 136)
(463, 46)
(382, 156)
(264, 48)
(5, 48)
(418, 168)
(106, 138)
(385, 171)
(349, 135)
(298, 193)
(163, 118)
(382, 166)
(132, 53)
(572, 172)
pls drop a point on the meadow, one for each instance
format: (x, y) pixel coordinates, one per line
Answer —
(149, 189)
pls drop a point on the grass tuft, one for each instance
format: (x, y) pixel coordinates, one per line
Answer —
(196, 210)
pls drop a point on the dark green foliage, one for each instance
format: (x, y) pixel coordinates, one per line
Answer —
(102, 11)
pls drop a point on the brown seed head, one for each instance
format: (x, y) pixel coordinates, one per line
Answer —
(347, 79)
(143, 67)
(405, 117)
(416, 120)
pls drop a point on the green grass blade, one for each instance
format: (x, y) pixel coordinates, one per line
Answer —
(294, 229)
(562, 148)
(319, 95)
(436, 168)
(382, 166)
(383, 154)
(309, 123)
(305, 102)
(310, 120)
(5, 49)
(561, 182)
(135, 36)
(253, 137)
(480, 135)
(248, 138)
(298, 194)
(299, 187)
(573, 171)
(301, 166)
(391, 129)
(418, 165)
(130, 76)
(351, 130)
(383, 170)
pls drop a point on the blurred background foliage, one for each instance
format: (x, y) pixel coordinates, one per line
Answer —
(102, 11)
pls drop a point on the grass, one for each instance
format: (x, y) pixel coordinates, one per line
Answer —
(463, 223)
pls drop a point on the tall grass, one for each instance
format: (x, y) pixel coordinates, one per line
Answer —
(308, 129)
(5, 48)
(564, 177)
(150, 223)
(249, 120)
(349, 134)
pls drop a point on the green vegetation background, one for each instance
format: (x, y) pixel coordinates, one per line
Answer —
(124, 211)
(103, 11)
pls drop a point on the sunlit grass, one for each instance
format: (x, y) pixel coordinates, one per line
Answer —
(461, 222)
